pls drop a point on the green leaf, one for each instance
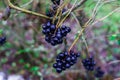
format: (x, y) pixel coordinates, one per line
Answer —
(113, 37)
(35, 68)
(1, 31)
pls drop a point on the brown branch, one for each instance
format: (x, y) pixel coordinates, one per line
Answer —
(41, 15)
(76, 7)
(26, 11)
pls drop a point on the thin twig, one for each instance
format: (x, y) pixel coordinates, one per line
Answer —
(26, 11)
(76, 7)
(113, 62)
(68, 13)
(109, 14)
(79, 4)
(95, 11)
(83, 28)
(41, 15)
(83, 38)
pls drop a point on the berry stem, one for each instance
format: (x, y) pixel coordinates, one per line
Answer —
(83, 38)
(75, 41)
(67, 13)
(79, 35)
(26, 11)
(76, 7)
(58, 11)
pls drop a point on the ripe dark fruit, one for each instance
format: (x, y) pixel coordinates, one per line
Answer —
(56, 35)
(47, 39)
(99, 73)
(59, 70)
(68, 59)
(67, 65)
(73, 58)
(55, 65)
(52, 27)
(78, 55)
(61, 55)
(2, 40)
(64, 61)
(89, 64)
(51, 37)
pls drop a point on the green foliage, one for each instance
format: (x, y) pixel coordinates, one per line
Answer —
(1, 31)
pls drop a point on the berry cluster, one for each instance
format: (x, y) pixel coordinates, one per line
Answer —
(89, 64)
(2, 40)
(99, 73)
(54, 35)
(65, 60)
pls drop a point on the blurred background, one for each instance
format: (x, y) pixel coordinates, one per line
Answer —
(27, 56)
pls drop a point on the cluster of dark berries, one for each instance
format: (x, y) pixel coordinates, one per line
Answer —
(65, 60)
(89, 64)
(2, 40)
(52, 35)
(98, 72)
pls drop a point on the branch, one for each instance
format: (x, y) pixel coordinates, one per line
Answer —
(83, 38)
(41, 15)
(79, 4)
(76, 7)
(101, 19)
(26, 11)
(113, 62)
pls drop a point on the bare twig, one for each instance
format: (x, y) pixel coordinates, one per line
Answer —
(113, 62)
(26, 11)
(83, 38)
(109, 14)
(95, 11)
(76, 7)
(41, 15)
(86, 25)
(79, 4)
(68, 13)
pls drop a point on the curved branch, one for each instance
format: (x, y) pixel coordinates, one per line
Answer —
(26, 11)
(41, 15)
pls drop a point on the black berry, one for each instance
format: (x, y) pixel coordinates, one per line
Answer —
(65, 61)
(52, 35)
(2, 40)
(99, 73)
(89, 63)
